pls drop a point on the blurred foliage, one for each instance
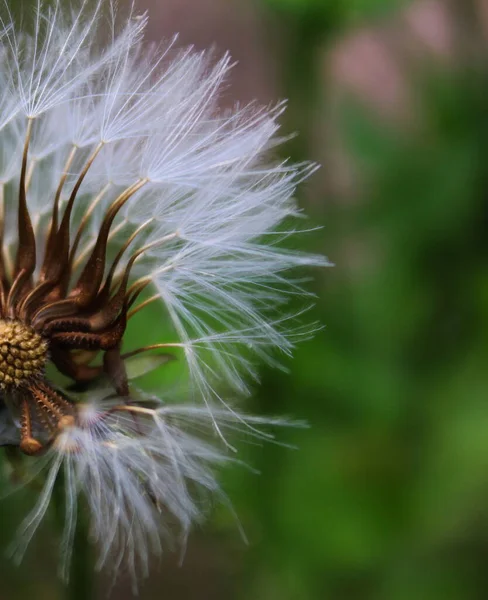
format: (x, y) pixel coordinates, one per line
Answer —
(387, 496)
(335, 12)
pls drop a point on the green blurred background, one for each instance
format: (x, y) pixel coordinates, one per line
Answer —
(387, 495)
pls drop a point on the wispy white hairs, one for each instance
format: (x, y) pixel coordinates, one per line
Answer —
(202, 209)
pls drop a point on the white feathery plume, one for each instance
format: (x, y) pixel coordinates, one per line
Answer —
(144, 471)
(128, 140)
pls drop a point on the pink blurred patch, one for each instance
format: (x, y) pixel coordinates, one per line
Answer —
(236, 26)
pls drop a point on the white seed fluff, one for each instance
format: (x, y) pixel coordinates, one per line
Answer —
(146, 473)
(211, 208)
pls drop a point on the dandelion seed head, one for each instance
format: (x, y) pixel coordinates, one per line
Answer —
(123, 184)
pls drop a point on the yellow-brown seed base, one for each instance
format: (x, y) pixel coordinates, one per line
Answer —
(23, 353)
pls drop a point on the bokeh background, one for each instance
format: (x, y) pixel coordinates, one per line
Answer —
(386, 497)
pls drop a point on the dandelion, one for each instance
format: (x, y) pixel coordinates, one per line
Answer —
(122, 184)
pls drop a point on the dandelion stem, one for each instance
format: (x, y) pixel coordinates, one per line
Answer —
(80, 580)
(80, 585)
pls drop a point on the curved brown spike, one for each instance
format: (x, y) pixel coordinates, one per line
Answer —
(66, 365)
(49, 250)
(57, 261)
(32, 300)
(78, 324)
(21, 285)
(49, 254)
(84, 222)
(136, 289)
(142, 305)
(53, 310)
(3, 298)
(104, 293)
(105, 340)
(26, 252)
(111, 310)
(77, 240)
(71, 201)
(91, 277)
(99, 320)
(56, 268)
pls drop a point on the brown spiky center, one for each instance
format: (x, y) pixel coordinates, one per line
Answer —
(62, 299)
(23, 354)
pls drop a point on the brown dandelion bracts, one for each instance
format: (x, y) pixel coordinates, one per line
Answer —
(47, 313)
